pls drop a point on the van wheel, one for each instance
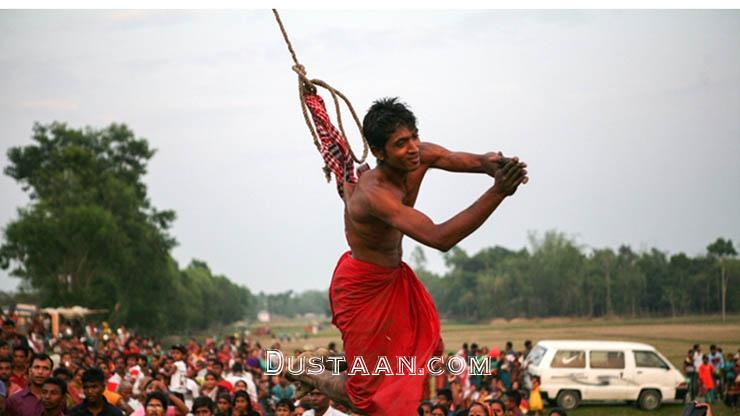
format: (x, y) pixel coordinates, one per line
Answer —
(568, 399)
(649, 400)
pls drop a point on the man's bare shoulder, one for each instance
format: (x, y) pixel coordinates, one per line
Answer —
(372, 192)
(372, 182)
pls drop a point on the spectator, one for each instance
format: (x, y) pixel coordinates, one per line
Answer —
(93, 385)
(53, 393)
(498, 408)
(242, 405)
(203, 406)
(156, 404)
(321, 405)
(27, 402)
(223, 405)
(706, 379)
(691, 374)
(440, 410)
(284, 408)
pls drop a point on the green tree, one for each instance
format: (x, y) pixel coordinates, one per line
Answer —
(721, 250)
(90, 234)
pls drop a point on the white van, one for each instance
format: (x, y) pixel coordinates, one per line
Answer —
(574, 371)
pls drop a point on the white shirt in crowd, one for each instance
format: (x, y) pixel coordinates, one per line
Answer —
(247, 377)
(177, 381)
(329, 412)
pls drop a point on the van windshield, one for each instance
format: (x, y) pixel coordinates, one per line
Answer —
(536, 355)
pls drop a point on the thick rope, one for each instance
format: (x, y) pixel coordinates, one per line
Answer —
(306, 85)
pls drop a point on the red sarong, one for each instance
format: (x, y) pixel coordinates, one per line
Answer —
(384, 312)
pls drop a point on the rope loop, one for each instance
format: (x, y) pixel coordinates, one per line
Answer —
(308, 87)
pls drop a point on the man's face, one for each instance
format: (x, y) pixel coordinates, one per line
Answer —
(9, 330)
(477, 410)
(51, 396)
(5, 370)
(5, 350)
(93, 391)
(120, 365)
(319, 400)
(19, 358)
(442, 399)
(498, 410)
(222, 405)
(281, 410)
(40, 370)
(426, 410)
(401, 151)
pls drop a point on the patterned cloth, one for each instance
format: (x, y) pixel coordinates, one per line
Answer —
(334, 148)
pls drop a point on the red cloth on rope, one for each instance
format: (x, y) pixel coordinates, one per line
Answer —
(384, 312)
(334, 147)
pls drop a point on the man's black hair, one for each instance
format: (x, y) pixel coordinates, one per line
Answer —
(9, 322)
(237, 367)
(24, 348)
(6, 359)
(515, 396)
(93, 375)
(203, 401)
(286, 403)
(500, 403)
(440, 407)
(62, 370)
(58, 382)
(42, 357)
(420, 409)
(383, 118)
(158, 395)
(558, 411)
(445, 392)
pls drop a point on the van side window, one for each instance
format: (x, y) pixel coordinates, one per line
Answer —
(607, 359)
(649, 359)
(569, 359)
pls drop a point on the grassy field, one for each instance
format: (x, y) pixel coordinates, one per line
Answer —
(672, 336)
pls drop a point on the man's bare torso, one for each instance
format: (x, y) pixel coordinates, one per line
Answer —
(369, 238)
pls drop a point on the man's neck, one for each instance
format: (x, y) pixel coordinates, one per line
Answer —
(96, 407)
(36, 390)
(395, 176)
(53, 412)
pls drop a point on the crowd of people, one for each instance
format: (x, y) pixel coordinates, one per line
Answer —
(714, 375)
(95, 370)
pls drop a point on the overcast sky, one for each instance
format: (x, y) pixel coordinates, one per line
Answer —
(629, 121)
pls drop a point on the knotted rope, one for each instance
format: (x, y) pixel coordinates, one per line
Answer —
(308, 86)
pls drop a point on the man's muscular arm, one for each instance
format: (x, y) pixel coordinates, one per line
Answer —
(383, 204)
(436, 156)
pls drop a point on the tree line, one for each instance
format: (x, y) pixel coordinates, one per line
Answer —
(557, 277)
(90, 235)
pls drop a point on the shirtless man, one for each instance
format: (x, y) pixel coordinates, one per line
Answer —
(380, 208)
(379, 211)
